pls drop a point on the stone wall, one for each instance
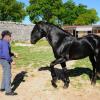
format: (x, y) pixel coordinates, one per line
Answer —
(20, 32)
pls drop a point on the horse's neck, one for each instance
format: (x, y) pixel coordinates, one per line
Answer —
(54, 35)
(56, 39)
(48, 28)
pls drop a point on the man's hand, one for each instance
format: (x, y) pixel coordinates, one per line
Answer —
(13, 63)
(15, 55)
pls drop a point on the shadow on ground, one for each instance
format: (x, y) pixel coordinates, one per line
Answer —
(19, 78)
(71, 72)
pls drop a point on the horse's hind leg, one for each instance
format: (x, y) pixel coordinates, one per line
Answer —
(66, 76)
(93, 78)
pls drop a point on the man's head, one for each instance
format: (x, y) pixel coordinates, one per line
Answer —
(6, 35)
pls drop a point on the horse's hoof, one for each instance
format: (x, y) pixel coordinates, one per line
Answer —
(93, 83)
(65, 86)
(54, 84)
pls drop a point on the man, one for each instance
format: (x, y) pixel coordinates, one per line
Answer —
(5, 61)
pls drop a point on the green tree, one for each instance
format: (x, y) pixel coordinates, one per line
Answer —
(57, 12)
(12, 10)
(87, 18)
(73, 11)
(47, 10)
(69, 14)
(79, 14)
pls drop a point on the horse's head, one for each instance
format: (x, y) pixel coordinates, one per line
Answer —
(38, 32)
(41, 29)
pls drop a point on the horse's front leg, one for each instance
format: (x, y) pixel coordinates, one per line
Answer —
(53, 74)
(66, 76)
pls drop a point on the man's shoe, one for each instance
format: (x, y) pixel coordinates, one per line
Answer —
(11, 93)
(2, 90)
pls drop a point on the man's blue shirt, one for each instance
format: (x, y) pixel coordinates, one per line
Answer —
(5, 50)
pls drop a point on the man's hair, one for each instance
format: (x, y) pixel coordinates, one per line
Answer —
(5, 32)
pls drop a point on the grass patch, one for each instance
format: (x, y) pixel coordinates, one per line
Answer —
(37, 55)
(85, 77)
(83, 63)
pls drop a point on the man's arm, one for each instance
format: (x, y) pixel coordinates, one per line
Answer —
(11, 53)
(6, 51)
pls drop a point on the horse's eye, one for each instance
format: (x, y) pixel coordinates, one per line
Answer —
(41, 30)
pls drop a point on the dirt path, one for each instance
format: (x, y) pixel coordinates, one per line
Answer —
(37, 86)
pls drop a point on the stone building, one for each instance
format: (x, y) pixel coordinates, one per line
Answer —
(20, 32)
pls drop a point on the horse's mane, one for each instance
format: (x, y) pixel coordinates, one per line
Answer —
(50, 24)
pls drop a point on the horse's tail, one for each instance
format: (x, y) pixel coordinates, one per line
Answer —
(98, 67)
(98, 71)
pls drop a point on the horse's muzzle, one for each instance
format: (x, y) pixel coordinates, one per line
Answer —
(33, 42)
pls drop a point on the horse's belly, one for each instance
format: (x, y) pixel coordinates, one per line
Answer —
(78, 53)
(76, 57)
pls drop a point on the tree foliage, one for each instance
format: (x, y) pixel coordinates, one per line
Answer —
(55, 11)
(12, 10)
(87, 18)
(47, 10)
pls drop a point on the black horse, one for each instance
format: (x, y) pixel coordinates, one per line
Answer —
(66, 47)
